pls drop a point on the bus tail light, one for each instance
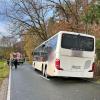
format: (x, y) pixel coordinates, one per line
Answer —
(93, 67)
(57, 64)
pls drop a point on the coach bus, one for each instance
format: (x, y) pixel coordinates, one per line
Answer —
(66, 54)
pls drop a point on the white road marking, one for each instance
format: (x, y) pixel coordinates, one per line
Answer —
(44, 77)
(9, 85)
(38, 75)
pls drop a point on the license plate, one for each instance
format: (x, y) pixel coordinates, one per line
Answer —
(76, 67)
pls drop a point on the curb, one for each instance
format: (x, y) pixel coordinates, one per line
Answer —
(3, 89)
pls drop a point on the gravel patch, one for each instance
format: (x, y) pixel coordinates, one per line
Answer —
(3, 89)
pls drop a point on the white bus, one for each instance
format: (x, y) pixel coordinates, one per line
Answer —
(66, 54)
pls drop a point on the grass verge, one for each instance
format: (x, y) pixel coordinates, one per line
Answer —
(4, 71)
(98, 80)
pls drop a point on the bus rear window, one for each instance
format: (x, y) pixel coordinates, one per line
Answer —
(77, 42)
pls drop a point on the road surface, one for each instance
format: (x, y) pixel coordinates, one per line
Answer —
(27, 84)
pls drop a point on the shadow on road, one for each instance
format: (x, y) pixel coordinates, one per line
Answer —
(65, 80)
(69, 80)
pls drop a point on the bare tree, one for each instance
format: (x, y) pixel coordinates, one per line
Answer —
(72, 12)
(69, 11)
(29, 14)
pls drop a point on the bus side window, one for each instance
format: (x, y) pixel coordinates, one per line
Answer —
(34, 56)
(52, 45)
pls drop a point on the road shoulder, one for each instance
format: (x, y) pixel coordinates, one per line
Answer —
(3, 89)
(94, 81)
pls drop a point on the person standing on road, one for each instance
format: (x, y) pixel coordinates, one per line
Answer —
(15, 60)
(15, 63)
(8, 62)
(11, 60)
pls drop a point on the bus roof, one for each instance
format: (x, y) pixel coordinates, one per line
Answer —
(67, 32)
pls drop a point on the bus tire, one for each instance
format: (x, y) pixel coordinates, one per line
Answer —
(45, 72)
(34, 67)
(42, 70)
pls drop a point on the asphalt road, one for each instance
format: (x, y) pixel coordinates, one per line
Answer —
(27, 84)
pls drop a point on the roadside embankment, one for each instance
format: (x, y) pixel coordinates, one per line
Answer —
(4, 71)
(4, 89)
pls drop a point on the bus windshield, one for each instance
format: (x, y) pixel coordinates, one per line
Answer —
(77, 42)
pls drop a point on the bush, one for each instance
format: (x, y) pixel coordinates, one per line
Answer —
(98, 49)
(4, 70)
(98, 57)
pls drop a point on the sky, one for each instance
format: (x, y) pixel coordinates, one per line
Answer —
(4, 24)
(3, 19)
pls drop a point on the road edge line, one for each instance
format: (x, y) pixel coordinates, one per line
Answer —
(44, 77)
(9, 85)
